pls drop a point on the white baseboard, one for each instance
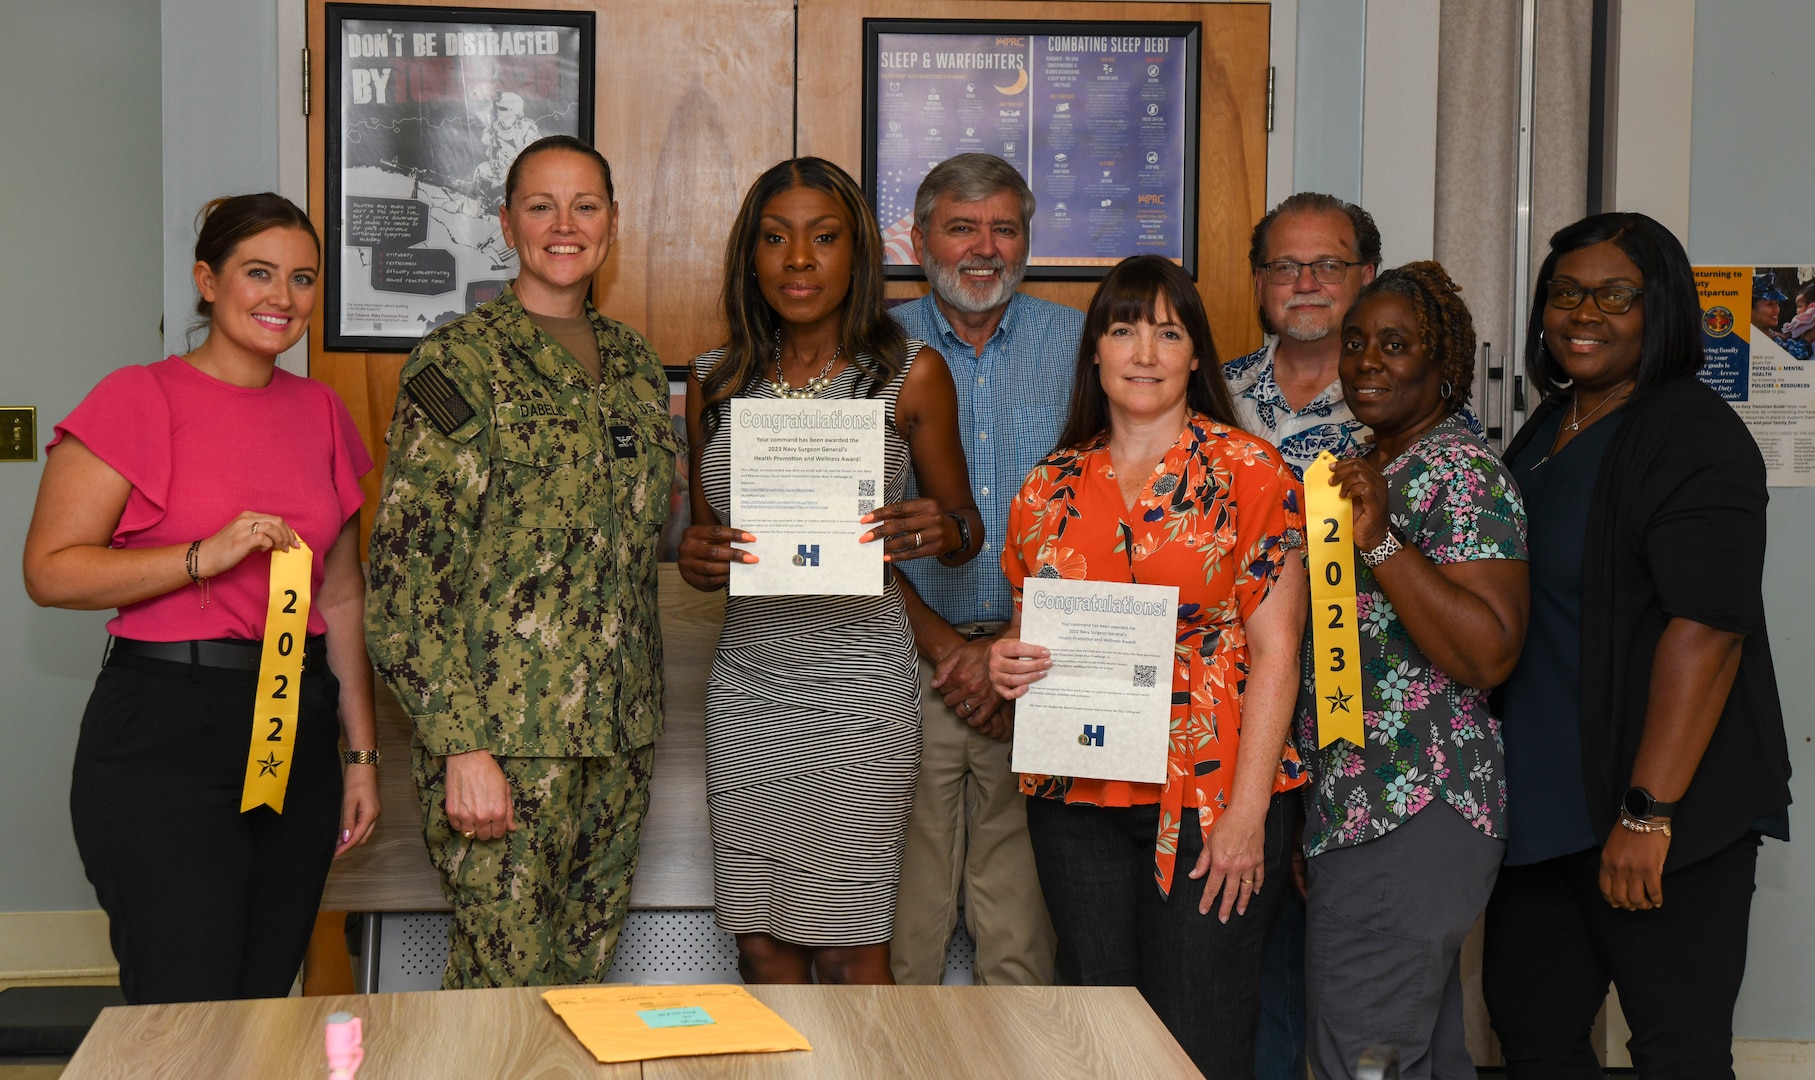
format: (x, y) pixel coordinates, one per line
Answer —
(40, 945)
(1773, 1059)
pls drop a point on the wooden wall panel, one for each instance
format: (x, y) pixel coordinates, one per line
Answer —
(1232, 141)
(392, 871)
(692, 101)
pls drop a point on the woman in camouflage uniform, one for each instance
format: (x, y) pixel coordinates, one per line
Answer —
(513, 598)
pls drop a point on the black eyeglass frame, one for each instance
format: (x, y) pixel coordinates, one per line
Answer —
(1550, 296)
(1275, 274)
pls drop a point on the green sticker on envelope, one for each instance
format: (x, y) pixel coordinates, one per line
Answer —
(690, 1016)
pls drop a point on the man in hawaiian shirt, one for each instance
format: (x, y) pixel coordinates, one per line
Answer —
(1311, 255)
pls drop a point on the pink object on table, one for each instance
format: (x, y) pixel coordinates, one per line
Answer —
(345, 1051)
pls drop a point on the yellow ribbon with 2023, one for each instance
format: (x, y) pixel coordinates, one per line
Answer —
(279, 681)
(1335, 639)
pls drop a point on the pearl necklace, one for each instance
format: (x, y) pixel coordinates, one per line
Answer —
(813, 386)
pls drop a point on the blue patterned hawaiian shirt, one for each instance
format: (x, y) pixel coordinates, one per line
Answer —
(1325, 423)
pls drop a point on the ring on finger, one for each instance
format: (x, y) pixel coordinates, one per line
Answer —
(916, 539)
(255, 526)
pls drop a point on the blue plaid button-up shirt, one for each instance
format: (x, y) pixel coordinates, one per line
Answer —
(1011, 407)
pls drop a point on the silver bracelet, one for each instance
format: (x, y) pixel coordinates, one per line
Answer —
(1387, 548)
(1644, 825)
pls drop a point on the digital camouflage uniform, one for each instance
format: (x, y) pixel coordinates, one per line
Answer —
(513, 608)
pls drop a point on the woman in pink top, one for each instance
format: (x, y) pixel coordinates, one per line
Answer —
(164, 494)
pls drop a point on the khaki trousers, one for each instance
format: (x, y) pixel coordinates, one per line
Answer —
(968, 834)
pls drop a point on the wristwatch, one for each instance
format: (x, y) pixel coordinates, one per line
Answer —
(1388, 547)
(1644, 806)
(964, 536)
(359, 757)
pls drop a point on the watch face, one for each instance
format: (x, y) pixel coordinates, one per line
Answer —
(1639, 802)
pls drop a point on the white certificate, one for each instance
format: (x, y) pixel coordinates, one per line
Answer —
(1104, 709)
(803, 471)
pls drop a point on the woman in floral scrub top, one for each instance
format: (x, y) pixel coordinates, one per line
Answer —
(1405, 832)
(1170, 887)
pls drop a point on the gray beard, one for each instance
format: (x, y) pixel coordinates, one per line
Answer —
(1299, 329)
(949, 285)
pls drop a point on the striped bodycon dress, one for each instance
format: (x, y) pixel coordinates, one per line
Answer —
(812, 735)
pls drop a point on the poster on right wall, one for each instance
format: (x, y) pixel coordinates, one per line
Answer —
(1758, 337)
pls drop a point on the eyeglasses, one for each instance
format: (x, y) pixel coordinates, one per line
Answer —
(1611, 299)
(1327, 271)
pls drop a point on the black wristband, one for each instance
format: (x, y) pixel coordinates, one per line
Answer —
(1644, 806)
(964, 537)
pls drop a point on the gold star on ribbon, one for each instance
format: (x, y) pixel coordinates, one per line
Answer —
(280, 668)
(1335, 635)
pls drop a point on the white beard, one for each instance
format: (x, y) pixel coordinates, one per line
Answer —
(951, 286)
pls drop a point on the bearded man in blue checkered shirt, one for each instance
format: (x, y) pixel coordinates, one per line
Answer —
(1012, 357)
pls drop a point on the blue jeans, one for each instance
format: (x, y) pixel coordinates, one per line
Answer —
(1201, 976)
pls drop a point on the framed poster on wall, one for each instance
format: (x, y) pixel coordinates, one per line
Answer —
(1100, 117)
(426, 109)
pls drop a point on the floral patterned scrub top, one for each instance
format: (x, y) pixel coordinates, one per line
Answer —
(1427, 736)
(1216, 518)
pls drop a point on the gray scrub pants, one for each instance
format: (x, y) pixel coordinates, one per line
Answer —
(1384, 925)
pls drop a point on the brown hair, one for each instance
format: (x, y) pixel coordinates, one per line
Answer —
(1445, 327)
(224, 223)
(1367, 234)
(1130, 292)
(867, 329)
(556, 142)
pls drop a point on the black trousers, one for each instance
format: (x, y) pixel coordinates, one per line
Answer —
(1553, 944)
(1201, 976)
(204, 902)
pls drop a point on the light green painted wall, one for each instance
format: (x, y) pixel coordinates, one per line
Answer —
(80, 288)
(1751, 167)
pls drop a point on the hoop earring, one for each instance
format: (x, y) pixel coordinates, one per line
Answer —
(1445, 390)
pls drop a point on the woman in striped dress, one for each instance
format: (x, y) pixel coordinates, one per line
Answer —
(812, 709)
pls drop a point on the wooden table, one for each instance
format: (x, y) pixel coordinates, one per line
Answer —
(856, 1031)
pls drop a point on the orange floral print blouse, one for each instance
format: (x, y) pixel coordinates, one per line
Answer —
(1216, 518)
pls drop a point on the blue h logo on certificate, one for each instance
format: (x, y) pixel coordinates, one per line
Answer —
(1093, 735)
(806, 555)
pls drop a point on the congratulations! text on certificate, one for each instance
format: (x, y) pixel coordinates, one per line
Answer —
(802, 473)
(1104, 708)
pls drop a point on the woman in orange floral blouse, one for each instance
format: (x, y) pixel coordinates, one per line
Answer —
(1153, 483)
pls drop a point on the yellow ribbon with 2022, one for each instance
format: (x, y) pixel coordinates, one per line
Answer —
(1335, 641)
(279, 681)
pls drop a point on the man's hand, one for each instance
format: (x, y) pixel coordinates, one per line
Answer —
(962, 676)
